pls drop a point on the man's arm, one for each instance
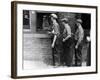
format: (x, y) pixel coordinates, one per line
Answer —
(68, 29)
(81, 35)
(54, 40)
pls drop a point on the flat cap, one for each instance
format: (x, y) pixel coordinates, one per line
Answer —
(79, 20)
(65, 20)
(54, 16)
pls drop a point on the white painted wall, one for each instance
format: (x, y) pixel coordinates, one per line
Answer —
(5, 40)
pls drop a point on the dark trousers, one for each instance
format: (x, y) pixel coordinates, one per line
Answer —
(68, 52)
(89, 55)
(78, 56)
(57, 52)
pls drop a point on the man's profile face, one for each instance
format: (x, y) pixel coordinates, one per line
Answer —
(62, 22)
(77, 23)
(52, 18)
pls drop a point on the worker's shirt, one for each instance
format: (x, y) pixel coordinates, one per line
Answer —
(79, 34)
(56, 30)
(67, 30)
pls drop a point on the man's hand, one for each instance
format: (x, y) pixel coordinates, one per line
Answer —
(76, 46)
(88, 38)
(52, 45)
(64, 40)
(49, 32)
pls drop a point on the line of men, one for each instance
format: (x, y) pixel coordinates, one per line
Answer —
(63, 44)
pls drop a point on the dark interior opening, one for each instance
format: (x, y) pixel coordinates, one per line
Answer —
(86, 18)
(43, 21)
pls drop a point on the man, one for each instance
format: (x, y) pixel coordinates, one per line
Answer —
(79, 34)
(67, 43)
(57, 42)
(88, 38)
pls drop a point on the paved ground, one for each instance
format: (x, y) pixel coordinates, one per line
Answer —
(37, 52)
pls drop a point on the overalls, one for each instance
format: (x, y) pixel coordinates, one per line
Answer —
(58, 48)
(68, 49)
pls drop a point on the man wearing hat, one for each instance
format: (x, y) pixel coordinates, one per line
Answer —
(57, 42)
(67, 43)
(79, 34)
